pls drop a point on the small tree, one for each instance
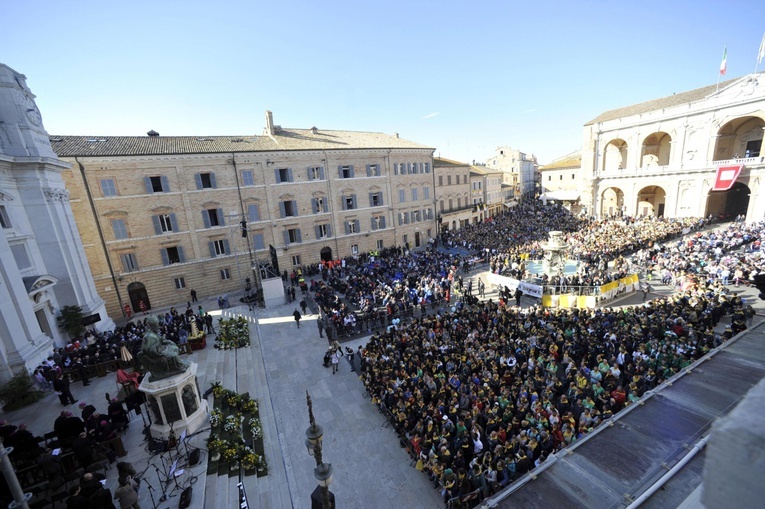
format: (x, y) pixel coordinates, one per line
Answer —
(70, 321)
(18, 392)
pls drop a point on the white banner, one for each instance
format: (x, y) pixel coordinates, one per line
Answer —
(512, 284)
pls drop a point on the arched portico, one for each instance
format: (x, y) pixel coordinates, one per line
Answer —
(612, 202)
(656, 150)
(740, 138)
(615, 155)
(651, 201)
(726, 205)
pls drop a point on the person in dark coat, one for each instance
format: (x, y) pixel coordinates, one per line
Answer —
(83, 448)
(80, 367)
(75, 500)
(118, 415)
(61, 385)
(297, 316)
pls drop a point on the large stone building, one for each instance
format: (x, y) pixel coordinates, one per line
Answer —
(161, 215)
(453, 194)
(486, 191)
(560, 181)
(42, 262)
(694, 153)
(518, 170)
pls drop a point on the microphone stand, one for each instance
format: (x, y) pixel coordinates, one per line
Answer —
(151, 493)
(164, 496)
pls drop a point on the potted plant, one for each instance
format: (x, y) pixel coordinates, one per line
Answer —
(215, 446)
(70, 321)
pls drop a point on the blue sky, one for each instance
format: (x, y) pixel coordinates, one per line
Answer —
(462, 77)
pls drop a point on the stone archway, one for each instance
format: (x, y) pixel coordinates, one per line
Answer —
(137, 293)
(326, 254)
(726, 205)
(612, 202)
(651, 201)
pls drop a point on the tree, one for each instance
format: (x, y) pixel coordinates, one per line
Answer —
(70, 321)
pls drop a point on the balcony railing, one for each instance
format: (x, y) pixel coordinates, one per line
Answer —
(687, 166)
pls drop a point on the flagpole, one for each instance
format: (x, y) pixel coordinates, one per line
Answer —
(760, 54)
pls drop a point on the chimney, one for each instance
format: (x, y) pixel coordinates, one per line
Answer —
(314, 130)
(152, 133)
(269, 130)
(395, 135)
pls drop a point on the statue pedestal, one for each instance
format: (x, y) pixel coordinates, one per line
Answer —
(175, 401)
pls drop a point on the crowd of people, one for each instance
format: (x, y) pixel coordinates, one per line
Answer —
(484, 391)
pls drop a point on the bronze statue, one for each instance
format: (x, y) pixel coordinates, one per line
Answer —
(159, 355)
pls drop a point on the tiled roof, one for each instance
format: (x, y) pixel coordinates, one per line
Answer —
(657, 104)
(284, 139)
(569, 161)
(440, 162)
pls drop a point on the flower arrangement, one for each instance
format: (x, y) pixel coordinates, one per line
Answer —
(233, 333)
(217, 389)
(216, 416)
(249, 406)
(231, 454)
(232, 424)
(256, 428)
(250, 459)
(233, 399)
(215, 444)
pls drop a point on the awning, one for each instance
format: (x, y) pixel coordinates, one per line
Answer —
(560, 196)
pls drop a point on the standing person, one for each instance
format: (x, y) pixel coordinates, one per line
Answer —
(518, 295)
(80, 367)
(481, 288)
(193, 295)
(126, 494)
(337, 352)
(303, 305)
(209, 323)
(320, 325)
(142, 306)
(128, 311)
(61, 385)
(297, 316)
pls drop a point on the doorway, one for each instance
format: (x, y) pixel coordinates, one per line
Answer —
(416, 239)
(326, 254)
(137, 293)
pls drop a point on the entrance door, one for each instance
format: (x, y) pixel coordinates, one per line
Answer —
(326, 254)
(416, 239)
(661, 210)
(137, 293)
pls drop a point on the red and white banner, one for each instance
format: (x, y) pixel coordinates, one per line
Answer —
(726, 176)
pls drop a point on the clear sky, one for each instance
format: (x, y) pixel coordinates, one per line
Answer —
(461, 76)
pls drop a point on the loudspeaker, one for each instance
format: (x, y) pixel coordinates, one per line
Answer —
(185, 500)
(194, 457)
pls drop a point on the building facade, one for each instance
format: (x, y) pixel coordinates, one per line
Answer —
(160, 216)
(696, 153)
(560, 181)
(454, 200)
(43, 266)
(486, 191)
(518, 169)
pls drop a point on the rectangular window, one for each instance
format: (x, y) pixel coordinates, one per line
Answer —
(376, 199)
(296, 260)
(549, 178)
(180, 283)
(5, 220)
(416, 216)
(395, 168)
(288, 208)
(346, 172)
(451, 204)
(247, 178)
(220, 247)
(205, 180)
(166, 222)
(560, 177)
(352, 226)
(119, 229)
(401, 195)
(108, 188)
(427, 167)
(373, 170)
(354, 249)
(319, 205)
(316, 173)
(440, 180)
(21, 256)
(283, 175)
(405, 239)
(414, 194)
(157, 184)
(349, 202)
(225, 274)
(426, 193)
(129, 262)
(213, 217)
(253, 212)
(380, 244)
(573, 175)
(441, 205)
(459, 202)
(428, 214)
(172, 255)
(378, 223)
(449, 180)
(292, 236)
(323, 231)
(258, 242)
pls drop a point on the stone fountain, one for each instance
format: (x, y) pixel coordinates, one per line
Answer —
(554, 261)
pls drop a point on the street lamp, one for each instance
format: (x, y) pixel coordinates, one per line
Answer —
(321, 498)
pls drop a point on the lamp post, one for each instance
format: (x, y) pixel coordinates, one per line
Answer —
(323, 471)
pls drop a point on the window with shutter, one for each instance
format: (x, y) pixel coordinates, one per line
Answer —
(401, 195)
(248, 178)
(108, 187)
(119, 229)
(154, 184)
(129, 262)
(253, 212)
(258, 241)
(205, 181)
